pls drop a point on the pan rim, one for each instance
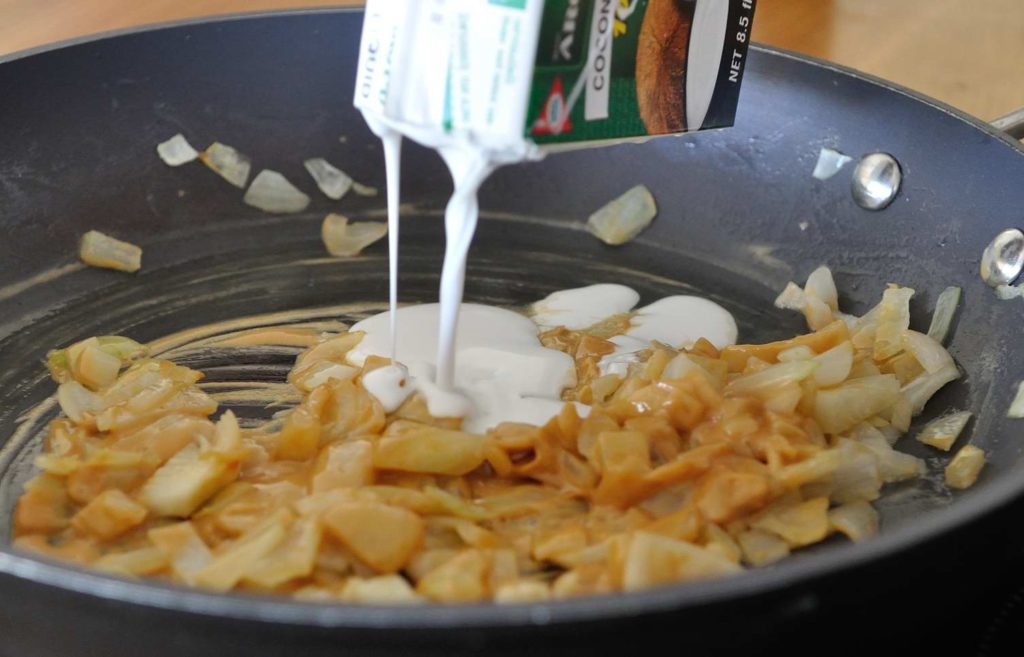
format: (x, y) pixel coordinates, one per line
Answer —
(676, 598)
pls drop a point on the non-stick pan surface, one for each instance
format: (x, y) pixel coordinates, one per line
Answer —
(739, 215)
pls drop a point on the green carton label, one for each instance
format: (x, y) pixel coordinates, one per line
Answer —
(614, 69)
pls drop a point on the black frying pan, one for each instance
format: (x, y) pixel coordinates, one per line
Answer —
(79, 125)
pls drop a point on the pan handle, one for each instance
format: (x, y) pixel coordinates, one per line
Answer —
(1012, 123)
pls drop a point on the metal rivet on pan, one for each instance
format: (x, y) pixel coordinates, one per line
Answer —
(1003, 258)
(876, 181)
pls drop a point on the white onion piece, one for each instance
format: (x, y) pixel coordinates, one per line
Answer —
(792, 297)
(900, 415)
(942, 432)
(771, 379)
(761, 548)
(176, 151)
(893, 321)
(99, 250)
(866, 431)
(625, 217)
(76, 400)
(821, 285)
(324, 371)
(231, 165)
(850, 320)
(924, 387)
(857, 476)
(964, 468)
(363, 190)
(799, 352)
(95, 367)
(1016, 409)
(271, 192)
(891, 433)
(817, 313)
(1006, 292)
(841, 408)
(829, 163)
(892, 465)
(333, 182)
(857, 520)
(932, 356)
(677, 367)
(345, 240)
(834, 365)
(784, 398)
(942, 318)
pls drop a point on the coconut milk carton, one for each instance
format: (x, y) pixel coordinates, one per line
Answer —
(524, 76)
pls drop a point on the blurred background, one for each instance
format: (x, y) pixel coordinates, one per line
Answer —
(969, 54)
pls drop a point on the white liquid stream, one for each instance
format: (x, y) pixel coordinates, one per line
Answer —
(485, 364)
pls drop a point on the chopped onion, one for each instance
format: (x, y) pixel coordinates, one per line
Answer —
(771, 379)
(63, 363)
(624, 218)
(761, 548)
(345, 240)
(893, 320)
(924, 387)
(382, 590)
(271, 192)
(798, 524)
(99, 250)
(1016, 409)
(176, 151)
(857, 476)
(942, 318)
(784, 398)
(963, 470)
(829, 163)
(227, 436)
(821, 285)
(863, 368)
(60, 466)
(231, 165)
(840, 408)
(811, 470)
(363, 190)
(865, 431)
(900, 415)
(799, 352)
(891, 433)
(834, 365)
(849, 320)
(817, 313)
(333, 182)
(1006, 292)
(792, 297)
(124, 348)
(96, 368)
(323, 372)
(864, 328)
(932, 356)
(892, 465)
(943, 431)
(76, 400)
(857, 520)
(677, 367)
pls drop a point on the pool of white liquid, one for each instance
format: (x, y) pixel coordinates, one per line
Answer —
(502, 373)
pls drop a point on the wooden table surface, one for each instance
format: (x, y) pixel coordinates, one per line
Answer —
(969, 54)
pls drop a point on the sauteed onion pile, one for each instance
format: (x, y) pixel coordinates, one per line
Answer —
(698, 463)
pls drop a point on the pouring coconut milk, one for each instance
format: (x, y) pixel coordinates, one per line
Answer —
(492, 83)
